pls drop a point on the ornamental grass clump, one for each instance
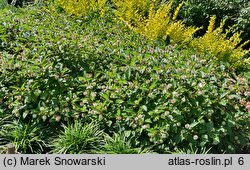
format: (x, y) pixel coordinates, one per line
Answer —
(121, 144)
(26, 136)
(78, 138)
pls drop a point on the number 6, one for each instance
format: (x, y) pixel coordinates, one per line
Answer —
(241, 161)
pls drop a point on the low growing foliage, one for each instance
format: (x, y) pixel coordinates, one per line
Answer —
(57, 69)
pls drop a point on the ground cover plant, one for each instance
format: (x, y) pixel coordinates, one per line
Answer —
(74, 81)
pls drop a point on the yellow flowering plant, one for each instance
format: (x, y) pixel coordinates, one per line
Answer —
(132, 12)
(82, 7)
(158, 20)
(218, 43)
(154, 20)
(155, 25)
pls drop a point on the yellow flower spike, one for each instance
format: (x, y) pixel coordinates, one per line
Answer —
(211, 25)
(176, 12)
(220, 29)
(244, 44)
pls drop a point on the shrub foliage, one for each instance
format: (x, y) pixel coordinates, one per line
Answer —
(54, 68)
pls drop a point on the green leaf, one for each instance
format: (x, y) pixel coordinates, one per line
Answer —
(223, 94)
(153, 85)
(105, 96)
(192, 125)
(223, 103)
(216, 140)
(144, 108)
(128, 110)
(118, 113)
(148, 120)
(25, 114)
(119, 101)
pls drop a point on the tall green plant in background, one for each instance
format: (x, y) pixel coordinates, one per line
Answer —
(162, 23)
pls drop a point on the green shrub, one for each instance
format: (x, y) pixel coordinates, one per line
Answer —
(174, 101)
(57, 69)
